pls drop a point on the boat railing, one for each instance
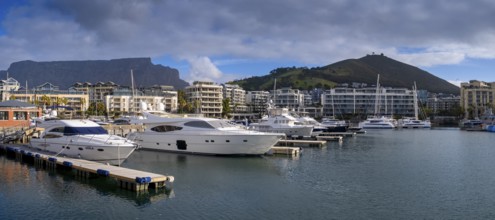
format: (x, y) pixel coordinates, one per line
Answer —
(93, 138)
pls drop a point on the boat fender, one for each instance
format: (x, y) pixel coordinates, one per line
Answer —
(67, 164)
(37, 155)
(11, 149)
(23, 152)
(102, 172)
(52, 159)
(143, 179)
(170, 179)
(29, 154)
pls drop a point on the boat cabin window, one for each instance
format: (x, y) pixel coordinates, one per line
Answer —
(59, 130)
(52, 136)
(198, 124)
(165, 128)
(84, 130)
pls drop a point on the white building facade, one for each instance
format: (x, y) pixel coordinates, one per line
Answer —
(368, 101)
(206, 98)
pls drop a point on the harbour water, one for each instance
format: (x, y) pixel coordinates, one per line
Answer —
(385, 174)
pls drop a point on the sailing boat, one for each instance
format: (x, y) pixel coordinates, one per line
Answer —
(414, 122)
(377, 121)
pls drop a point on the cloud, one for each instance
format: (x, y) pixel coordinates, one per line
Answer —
(315, 32)
(202, 69)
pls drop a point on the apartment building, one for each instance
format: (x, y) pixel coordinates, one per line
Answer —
(206, 98)
(288, 98)
(368, 101)
(237, 97)
(477, 96)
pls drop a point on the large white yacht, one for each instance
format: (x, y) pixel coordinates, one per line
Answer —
(378, 123)
(201, 136)
(280, 121)
(83, 139)
(413, 123)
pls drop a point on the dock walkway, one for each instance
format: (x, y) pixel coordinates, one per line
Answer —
(129, 179)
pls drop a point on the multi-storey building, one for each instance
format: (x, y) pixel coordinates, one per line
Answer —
(257, 101)
(368, 101)
(70, 100)
(8, 85)
(206, 98)
(124, 101)
(477, 97)
(96, 92)
(237, 97)
(438, 103)
(288, 98)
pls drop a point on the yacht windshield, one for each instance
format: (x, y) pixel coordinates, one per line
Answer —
(84, 130)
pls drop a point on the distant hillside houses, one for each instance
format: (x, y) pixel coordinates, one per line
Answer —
(209, 98)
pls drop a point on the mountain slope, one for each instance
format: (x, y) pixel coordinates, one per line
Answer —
(66, 73)
(364, 70)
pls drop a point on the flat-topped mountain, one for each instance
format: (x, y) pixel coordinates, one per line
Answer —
(66, 73)
(363, 70)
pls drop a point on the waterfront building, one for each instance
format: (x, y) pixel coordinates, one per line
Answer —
(438, 103)
(71, 101)
(288, 98)
(6, 86)
(237, 97)
(257, 101)
(368, 101)
(477, 97)
(15, 113)
(97, 91)
(124, 101)
(206, 98)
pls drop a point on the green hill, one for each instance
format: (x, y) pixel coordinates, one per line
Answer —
(363, 70)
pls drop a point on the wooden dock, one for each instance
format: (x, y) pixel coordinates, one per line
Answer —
(291, 151)
(301, 143)
(129, 179)
(330, 138)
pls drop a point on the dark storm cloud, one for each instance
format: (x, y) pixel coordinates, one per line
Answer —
(315, 31)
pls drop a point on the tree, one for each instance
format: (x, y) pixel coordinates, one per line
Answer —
(183, 104)
(45, 100)
(226, 108)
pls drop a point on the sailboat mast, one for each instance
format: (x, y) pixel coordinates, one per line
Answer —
(376, 94)
(415, 98)
(132, 90)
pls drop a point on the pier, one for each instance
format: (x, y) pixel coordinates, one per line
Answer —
(126, 178)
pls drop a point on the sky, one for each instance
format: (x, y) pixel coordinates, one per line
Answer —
(223, 40)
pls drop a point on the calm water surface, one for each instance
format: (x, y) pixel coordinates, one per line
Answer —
(393, 174)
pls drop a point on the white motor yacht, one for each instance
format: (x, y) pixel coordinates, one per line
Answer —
(83, 139)
(413, 123)
(378, 123)
(280, 121)
(201, 136)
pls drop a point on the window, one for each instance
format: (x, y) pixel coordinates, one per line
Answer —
(165, 128)
(198, 124)
(4, 115)
(20, 115)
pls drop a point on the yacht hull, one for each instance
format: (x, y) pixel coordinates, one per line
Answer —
(212, 144)
(111, 150)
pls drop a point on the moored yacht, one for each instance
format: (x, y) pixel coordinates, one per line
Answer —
(334, 125)
(280, 121)
(201, 136)
(378, 123)
(413, 123)
(83, 139)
